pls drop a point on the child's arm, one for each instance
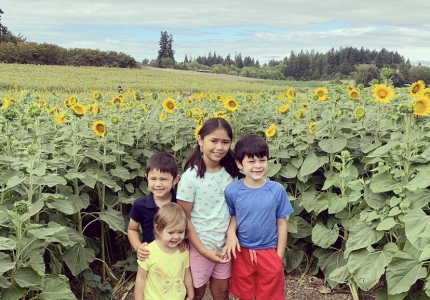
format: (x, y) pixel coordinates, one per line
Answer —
(194, 239)
(134, 239)
(188, 280)
(139, 286)
(232, 242)
(281, 225)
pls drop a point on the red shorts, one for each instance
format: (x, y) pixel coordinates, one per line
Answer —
(258, 275)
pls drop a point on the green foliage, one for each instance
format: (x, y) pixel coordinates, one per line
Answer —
(48, 54)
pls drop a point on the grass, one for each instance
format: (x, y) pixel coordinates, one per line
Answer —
(79, 79)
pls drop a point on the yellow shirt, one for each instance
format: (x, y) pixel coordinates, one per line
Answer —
(166, 273)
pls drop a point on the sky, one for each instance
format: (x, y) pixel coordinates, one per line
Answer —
(263, 30)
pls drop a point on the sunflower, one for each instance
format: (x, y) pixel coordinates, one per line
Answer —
(161, 117)
(284, 108)
(361, 112)
(169, 105)
(219, 114)
(231, 104)
(354, 94)
(94, 109)
(382, 93)
(426, 93)
(421, 106)
(271, 131)
(304, 105)
(320, 92)
(96, 95)
(249, 97)
(290, 94)
(72, 100)
(417, 88)
(79, 109)
(99, 127)
(60, 118)
(117, 100)
(197, 131)
(114, 119)
(350, 88)
(310, 128)
(190, 101)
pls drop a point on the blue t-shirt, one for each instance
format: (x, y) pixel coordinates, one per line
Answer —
(143, 212)
(257, 210)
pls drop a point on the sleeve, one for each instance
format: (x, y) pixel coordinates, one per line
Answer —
(229, 199)
(136, 211)
(284, 206)
(186, 255)
(144, 264)
(186, 188)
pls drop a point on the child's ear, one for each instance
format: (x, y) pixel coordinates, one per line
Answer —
(200, 141)
(239, 164)
(175, 181)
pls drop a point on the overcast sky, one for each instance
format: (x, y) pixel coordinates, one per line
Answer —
(260, 29)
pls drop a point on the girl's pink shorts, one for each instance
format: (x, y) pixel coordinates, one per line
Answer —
(203, 269)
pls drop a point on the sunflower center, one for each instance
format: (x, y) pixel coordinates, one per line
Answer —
(100, 128)
(232, 104)
(419, 107)
(320, 93)
(415, 89)
(382, 94)
(170, 105)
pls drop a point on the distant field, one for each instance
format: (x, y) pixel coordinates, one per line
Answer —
(79, 79)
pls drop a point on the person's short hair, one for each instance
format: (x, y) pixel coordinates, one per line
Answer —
(170, 214)
(251, 145)
(164, 162)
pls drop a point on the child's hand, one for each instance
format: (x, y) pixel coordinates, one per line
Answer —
(216, 257)
(230, 246)
(183, 246)
(142, 252)
(188, 298)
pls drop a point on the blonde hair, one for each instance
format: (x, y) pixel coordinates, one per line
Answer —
(168, 215)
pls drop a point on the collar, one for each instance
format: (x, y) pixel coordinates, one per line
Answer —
(150, 203)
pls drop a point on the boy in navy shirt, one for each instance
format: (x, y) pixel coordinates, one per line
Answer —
(161, 174)
(258, 227)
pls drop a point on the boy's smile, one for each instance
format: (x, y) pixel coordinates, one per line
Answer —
(254, 169)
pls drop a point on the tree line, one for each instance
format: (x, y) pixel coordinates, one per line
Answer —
(49, 54)
(362, 65)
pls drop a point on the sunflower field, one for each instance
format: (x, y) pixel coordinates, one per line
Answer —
(354, 162)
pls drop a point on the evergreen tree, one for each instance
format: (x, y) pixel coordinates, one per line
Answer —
(238, 60)
(166, 50)
(186, 59)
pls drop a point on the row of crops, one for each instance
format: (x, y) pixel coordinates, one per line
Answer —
(354, 161)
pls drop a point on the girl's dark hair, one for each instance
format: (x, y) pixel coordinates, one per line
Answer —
(195, 159)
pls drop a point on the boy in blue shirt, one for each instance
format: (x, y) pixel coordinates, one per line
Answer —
(258, 227)
(161, 174)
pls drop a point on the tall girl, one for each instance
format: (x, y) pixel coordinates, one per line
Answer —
(208, 170)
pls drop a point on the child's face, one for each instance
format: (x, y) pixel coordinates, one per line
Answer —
(160, 184)
(254, 169)
(215, 146)
(172, 236)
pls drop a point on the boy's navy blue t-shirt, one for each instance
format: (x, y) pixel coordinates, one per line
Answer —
(143, 212)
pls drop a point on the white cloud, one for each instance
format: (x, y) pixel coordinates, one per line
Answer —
(271, 28)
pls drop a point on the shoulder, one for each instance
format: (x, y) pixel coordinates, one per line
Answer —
(234, 185)
(189, 174)
(142, 202)
(274, 186)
